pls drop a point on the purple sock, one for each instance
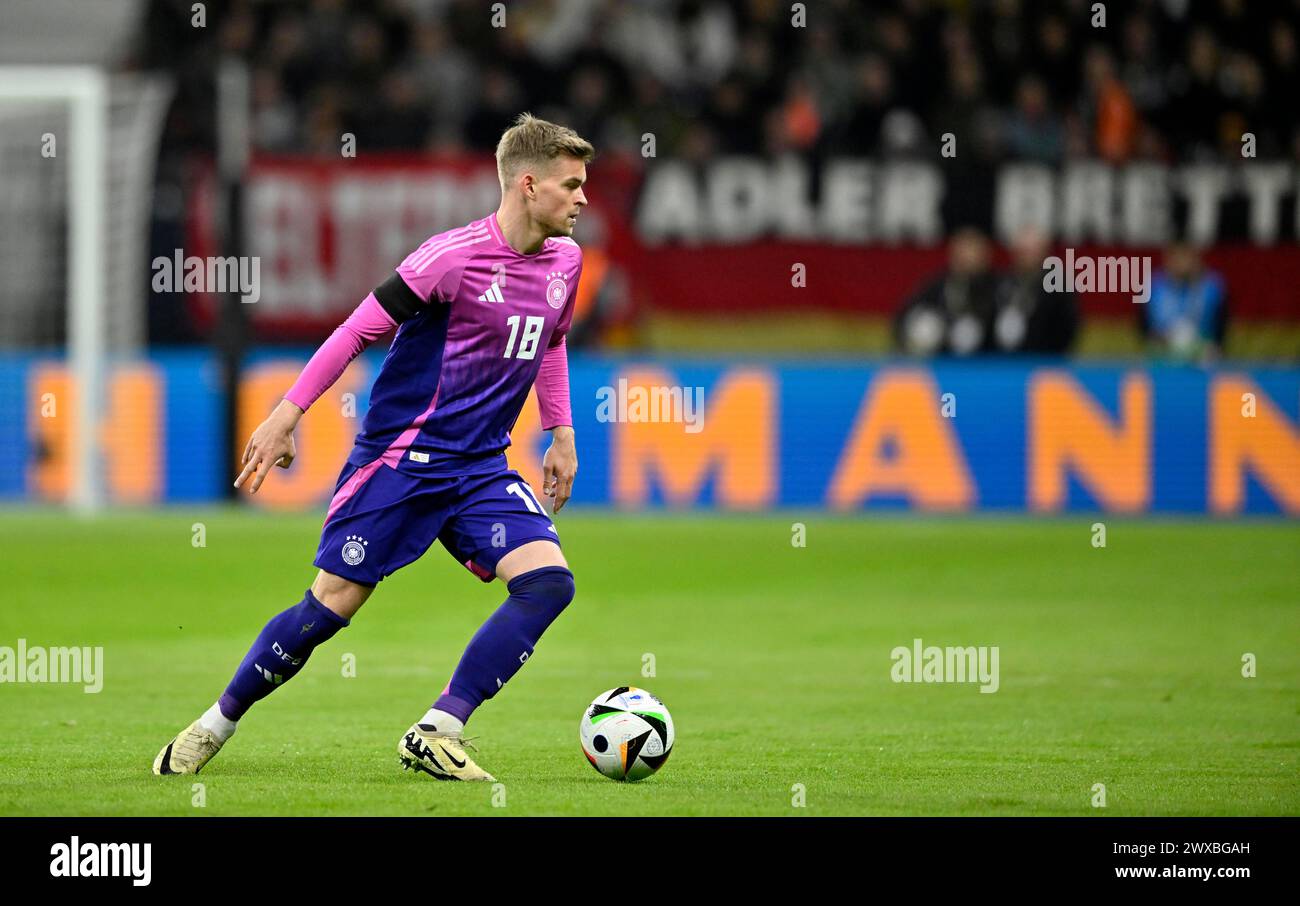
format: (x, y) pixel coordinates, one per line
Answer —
(506, 640)
(279, 653)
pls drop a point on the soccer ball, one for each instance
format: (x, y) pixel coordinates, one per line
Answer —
(626, 733)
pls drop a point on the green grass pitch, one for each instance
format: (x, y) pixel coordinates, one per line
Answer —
(1119, 665)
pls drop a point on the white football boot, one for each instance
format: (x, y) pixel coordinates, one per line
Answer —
(192, 748)
(438, 755)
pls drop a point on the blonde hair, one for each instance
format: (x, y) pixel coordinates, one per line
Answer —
(537, 142)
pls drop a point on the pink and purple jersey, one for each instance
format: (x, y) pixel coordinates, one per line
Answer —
(476, 319)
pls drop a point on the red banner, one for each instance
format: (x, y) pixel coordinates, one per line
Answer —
(720, 239)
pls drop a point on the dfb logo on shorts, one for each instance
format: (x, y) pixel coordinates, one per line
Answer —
(354, 550)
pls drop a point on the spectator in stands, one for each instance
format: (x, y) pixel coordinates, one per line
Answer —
(1034, 131)
(1195, 102)
(400, 120)
(275, 120)
(1187, 315)
(954, 314)
(1112, 116)
(873, 96)
(1029, 319)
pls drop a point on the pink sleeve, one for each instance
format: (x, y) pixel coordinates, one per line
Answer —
(553, 387)
(366, 323)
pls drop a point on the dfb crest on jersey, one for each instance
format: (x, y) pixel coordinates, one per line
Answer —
(354, 550)
(556, 289)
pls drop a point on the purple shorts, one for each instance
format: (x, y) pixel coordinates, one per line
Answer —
(381, 519)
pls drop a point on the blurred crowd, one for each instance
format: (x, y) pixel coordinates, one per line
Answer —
(973, 308)
(1041, 80)
(1168, 79)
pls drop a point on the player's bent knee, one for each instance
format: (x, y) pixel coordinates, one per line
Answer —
(550, 587)
(562, 586)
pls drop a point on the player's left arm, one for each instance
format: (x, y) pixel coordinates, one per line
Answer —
(560, 464)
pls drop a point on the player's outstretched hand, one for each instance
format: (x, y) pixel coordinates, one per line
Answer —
(271, 445)
(559, 466)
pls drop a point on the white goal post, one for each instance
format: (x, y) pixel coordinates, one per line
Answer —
(105, 131)
(84, 90)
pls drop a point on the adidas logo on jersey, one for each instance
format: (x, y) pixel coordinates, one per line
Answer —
(493, 294)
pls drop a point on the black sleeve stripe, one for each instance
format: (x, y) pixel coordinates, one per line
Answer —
(398, 299)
